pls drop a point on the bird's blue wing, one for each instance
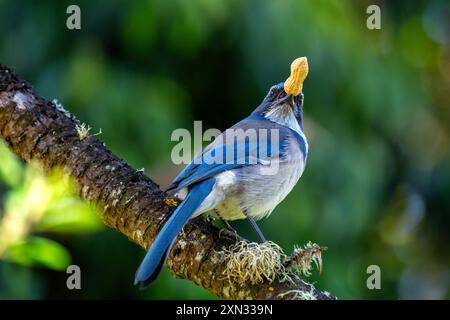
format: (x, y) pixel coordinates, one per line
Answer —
(218, 159)
(226, 154)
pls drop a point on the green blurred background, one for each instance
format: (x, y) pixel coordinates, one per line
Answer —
(377, 186)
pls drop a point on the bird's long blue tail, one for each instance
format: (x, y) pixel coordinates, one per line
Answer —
(156, 256)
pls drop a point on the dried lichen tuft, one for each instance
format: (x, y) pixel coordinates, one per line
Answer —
(257, 262)
(299, 295)
(83, 131)
(301, 259)
(253, 262)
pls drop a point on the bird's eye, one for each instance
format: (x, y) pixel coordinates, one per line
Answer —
(273, 91)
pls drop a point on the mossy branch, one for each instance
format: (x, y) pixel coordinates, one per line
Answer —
(44, 132)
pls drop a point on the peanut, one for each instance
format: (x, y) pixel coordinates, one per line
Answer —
(299, 70)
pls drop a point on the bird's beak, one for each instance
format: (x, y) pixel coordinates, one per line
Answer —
(286, 98)
(299, 70)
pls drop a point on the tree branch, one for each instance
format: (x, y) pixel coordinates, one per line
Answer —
(38, 130)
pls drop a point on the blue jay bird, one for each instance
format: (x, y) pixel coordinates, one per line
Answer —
(239, 188)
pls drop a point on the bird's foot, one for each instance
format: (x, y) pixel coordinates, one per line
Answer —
(228, 228)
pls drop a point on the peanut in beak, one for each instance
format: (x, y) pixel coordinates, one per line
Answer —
(299, 70)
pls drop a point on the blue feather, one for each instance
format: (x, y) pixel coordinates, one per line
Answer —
(157, 254)
(245, 153)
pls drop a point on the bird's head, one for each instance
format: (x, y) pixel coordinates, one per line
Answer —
(284, 102)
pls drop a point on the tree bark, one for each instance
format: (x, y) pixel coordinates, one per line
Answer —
(40, 131)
